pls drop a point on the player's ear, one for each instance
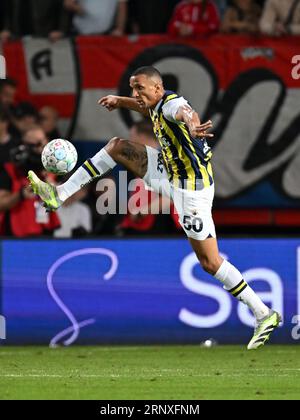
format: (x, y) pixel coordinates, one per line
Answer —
(157, 87)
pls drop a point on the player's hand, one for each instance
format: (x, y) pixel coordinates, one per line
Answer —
(201, 131)
(110, 102)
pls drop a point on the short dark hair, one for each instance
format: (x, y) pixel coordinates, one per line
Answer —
(8, 82)
(4, 114)
(148, 71)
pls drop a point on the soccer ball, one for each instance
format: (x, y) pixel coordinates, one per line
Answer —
(59, 157)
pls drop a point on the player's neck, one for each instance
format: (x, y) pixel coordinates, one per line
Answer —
(158, 100)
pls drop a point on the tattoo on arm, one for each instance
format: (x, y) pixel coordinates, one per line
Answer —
(189, 116)
(188, 112)
(139, 157)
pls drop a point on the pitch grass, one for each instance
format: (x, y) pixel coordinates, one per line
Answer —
(159, 372)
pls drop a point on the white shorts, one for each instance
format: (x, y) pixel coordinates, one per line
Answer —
(193, 207)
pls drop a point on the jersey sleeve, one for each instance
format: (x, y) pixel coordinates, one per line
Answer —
(171, 108)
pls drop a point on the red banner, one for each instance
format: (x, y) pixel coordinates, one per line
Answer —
(249, 86)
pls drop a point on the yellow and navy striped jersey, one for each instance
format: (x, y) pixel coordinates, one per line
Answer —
(187, 160)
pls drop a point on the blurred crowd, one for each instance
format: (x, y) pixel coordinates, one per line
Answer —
(56, 19)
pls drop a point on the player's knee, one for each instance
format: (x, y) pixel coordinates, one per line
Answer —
(210, 265)
(114, 146)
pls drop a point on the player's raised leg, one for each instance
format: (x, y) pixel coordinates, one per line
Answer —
(267, 320)
(195, 215)
(132, 156)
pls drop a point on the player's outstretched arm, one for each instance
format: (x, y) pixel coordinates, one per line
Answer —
(112, 102)
(190, 117)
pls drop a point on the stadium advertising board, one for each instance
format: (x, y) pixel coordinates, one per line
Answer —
(141, 291)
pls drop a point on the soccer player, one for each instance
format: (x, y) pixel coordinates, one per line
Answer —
(185, 164)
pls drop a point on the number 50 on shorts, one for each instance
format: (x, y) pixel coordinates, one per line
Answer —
(193, 223)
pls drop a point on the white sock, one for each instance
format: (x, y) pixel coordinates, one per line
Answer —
(99, 165)
(235, 284)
